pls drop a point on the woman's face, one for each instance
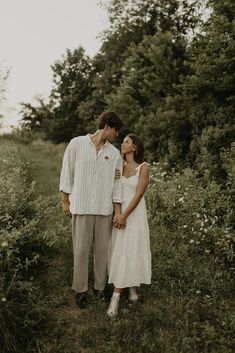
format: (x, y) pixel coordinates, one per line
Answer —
(127, 145)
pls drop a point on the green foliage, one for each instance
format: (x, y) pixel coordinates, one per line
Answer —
(60, 119)
(25, 246)
(4, 74)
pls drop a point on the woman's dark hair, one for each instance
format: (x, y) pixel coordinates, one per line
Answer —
(139, 152)
(110, 119)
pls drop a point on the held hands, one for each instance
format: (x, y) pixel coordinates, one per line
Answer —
(65, 207)
(117, 174)
(119, 221)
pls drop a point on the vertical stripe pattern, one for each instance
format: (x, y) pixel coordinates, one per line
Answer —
(88, 176)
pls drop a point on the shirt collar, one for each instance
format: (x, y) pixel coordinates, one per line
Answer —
(89, 138)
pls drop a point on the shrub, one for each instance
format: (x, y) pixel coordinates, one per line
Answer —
(24, 248)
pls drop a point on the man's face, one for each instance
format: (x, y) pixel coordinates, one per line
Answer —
(110, 133)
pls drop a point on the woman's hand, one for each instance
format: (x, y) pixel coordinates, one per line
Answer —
(66, 207)
(119, 221)
(117, 174)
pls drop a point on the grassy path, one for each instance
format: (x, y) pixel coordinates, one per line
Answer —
(66, 321)
(70, 329)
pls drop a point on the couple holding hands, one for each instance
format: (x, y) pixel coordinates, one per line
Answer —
(103, 192)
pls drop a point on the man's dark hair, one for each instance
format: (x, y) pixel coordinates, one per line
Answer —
(110, 119)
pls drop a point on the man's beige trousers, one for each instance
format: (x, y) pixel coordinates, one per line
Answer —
(85, 229)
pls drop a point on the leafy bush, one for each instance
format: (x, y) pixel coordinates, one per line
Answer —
(199, 212)
(24, 248)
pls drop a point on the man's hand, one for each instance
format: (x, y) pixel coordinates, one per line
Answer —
(65, 207)
(119, 221)
(117, 174)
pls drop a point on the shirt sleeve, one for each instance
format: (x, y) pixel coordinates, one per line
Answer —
(117, 187)
(67, 171)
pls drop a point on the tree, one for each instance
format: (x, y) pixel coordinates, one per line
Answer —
(60, 119)
(71, 87)
(4, 74)
(209, 89)
(36, 117)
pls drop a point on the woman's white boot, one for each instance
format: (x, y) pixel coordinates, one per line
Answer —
(133, 296)
(113, 306)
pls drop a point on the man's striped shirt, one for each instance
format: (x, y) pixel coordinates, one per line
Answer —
(88, 176)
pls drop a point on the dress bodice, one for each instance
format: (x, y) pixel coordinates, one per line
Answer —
(129, 185)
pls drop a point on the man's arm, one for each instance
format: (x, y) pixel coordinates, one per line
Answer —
(66, 204)
(67, 176)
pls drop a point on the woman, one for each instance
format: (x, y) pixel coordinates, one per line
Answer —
(130, 260)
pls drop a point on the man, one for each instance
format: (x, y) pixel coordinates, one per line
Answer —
(90, 193)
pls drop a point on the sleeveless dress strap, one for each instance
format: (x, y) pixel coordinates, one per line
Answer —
(139, 167)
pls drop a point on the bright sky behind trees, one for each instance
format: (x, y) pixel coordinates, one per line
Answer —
(35, 33)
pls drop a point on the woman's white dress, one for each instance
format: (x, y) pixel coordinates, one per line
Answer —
(130, 255)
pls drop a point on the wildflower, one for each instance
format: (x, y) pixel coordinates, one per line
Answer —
(4, 244)
(207, 251)
(207, 296)
(198, 292)
(198, 215)
(163, 174)
(191, 241)
(4, 299)
(197, 242)
(185, 226)
(181, 199)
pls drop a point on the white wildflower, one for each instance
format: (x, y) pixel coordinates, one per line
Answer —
(181, 199)
(198, 292)
(163, 174)
(198, 215)
(4, 299)
(4, 244)
(191, 241)
(185, 226)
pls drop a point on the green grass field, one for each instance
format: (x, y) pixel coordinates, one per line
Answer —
(188, 307)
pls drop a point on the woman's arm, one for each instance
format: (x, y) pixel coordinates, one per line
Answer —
(140, 190)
